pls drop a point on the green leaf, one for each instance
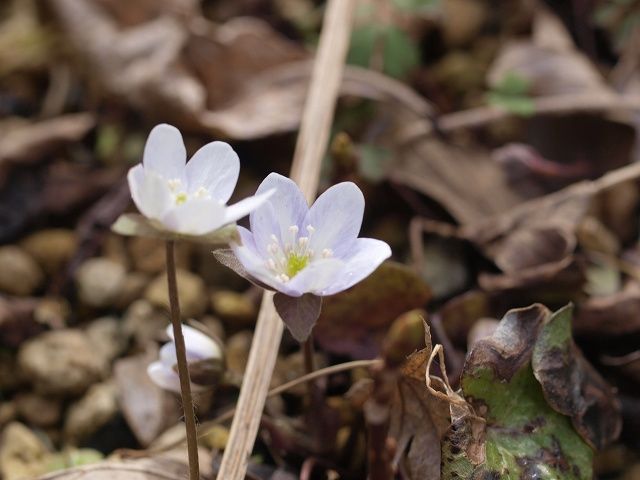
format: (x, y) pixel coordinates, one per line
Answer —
(372, 162)
(417, 6)
(400, 53)
(363, 41)
(512, 94)
(136, 225)
(521, 436)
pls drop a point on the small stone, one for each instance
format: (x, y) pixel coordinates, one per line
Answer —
(214, 326)
(61, 362)
(237, 352)
(108, 337)
(133, 288)
(293, 367)
(22, 454)
(52, 311)
(38, 410)
(8, 413)
(149, 254)
(94, 410)
(191, 293)
(143, 321)
(19, 272)
(236, 308)
(10, 378)
(51, 248)
(99, 281)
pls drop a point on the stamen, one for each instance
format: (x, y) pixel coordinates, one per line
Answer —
(181, 198)
(310, 229)
(327, 253)
(174, 183)
(303, 242)
(201, 193)
(274, 238)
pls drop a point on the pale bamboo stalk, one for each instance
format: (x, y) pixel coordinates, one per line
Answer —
(305, 171)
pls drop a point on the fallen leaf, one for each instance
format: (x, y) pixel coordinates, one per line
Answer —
(572, 386)
(615, 314)
(354, 321)
(147, 408)
(523, 436)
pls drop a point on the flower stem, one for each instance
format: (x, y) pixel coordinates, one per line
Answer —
(183, 371)
(309, 355)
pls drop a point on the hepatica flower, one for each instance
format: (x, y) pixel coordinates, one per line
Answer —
(188, 197)
(200, 350)
(305, 253)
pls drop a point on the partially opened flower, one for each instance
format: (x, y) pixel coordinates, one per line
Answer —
(188, 197)
(201, 351)
(306, 253)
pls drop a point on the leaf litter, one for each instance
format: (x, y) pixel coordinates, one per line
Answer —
(496, 151)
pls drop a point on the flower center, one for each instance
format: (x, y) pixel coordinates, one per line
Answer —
(180, 196)
(292, 255)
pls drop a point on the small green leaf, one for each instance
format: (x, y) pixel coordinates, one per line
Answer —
(363, 41)
(135, 225)
(372, 162)
(417, 6)
(400, 53)
(523, 106)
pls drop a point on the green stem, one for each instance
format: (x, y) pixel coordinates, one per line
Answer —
(183, 370)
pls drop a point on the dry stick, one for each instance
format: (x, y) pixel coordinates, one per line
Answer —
(183, 370)
(312, 142)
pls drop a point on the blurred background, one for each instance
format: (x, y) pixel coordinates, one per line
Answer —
(473, 127)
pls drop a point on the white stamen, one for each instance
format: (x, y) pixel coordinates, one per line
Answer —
(303, 242)
(174, 183)
(293, 229)
(310, 229)
(271, 264)
(201, 193)
(327, 253)
(274, 238)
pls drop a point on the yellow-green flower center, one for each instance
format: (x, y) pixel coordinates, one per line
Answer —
(181, 198)
(295, 263)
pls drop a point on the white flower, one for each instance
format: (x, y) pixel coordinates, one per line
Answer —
(199, 347)
(188, 197)
(296, 250)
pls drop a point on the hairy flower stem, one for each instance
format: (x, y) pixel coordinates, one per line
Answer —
(183, 370)
(309, 356)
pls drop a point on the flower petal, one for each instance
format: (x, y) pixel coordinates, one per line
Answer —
(149, 191)
(336, 216)
(315, 278)
(284, 208)
(366, 255)
(247, 205)
(254, 264)
(168, 356)
(164, 152)
(196, 216)
(215, 167)
(164, 377)
(198, 345)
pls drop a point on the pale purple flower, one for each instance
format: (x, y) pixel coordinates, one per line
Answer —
(307, 253)
(199, 347)
(188, 197)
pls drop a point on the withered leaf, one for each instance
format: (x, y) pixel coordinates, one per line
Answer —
(353, 322)
(572, 386)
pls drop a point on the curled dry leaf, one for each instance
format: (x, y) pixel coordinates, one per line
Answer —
(523, 380)
(615, 314)
(147, 408)
(354, 321)
(572, 386)
(419, 420)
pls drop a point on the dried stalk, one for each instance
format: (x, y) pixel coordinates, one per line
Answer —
(312, 143)
(183, 369)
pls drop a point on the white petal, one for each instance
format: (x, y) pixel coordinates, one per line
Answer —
(196, 216)
(164, 377)
(366, 255)
(198, 345)
(150, 192)
(168, 356)
(254, 263)
(315, 278)
(245, 206)
(284, 208)
(164, 152)
(215, 167)
(336, 216)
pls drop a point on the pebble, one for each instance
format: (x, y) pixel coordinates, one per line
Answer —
(22, 454)
(235, 308)
(38, 410)
(94, 410)
(51, 248)
(99, 281)
(191, 292)
(237, 352)
(61, 362)
(142, 321)
(20, 274)
(149, 255)
(133, 288)
(108, 337)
